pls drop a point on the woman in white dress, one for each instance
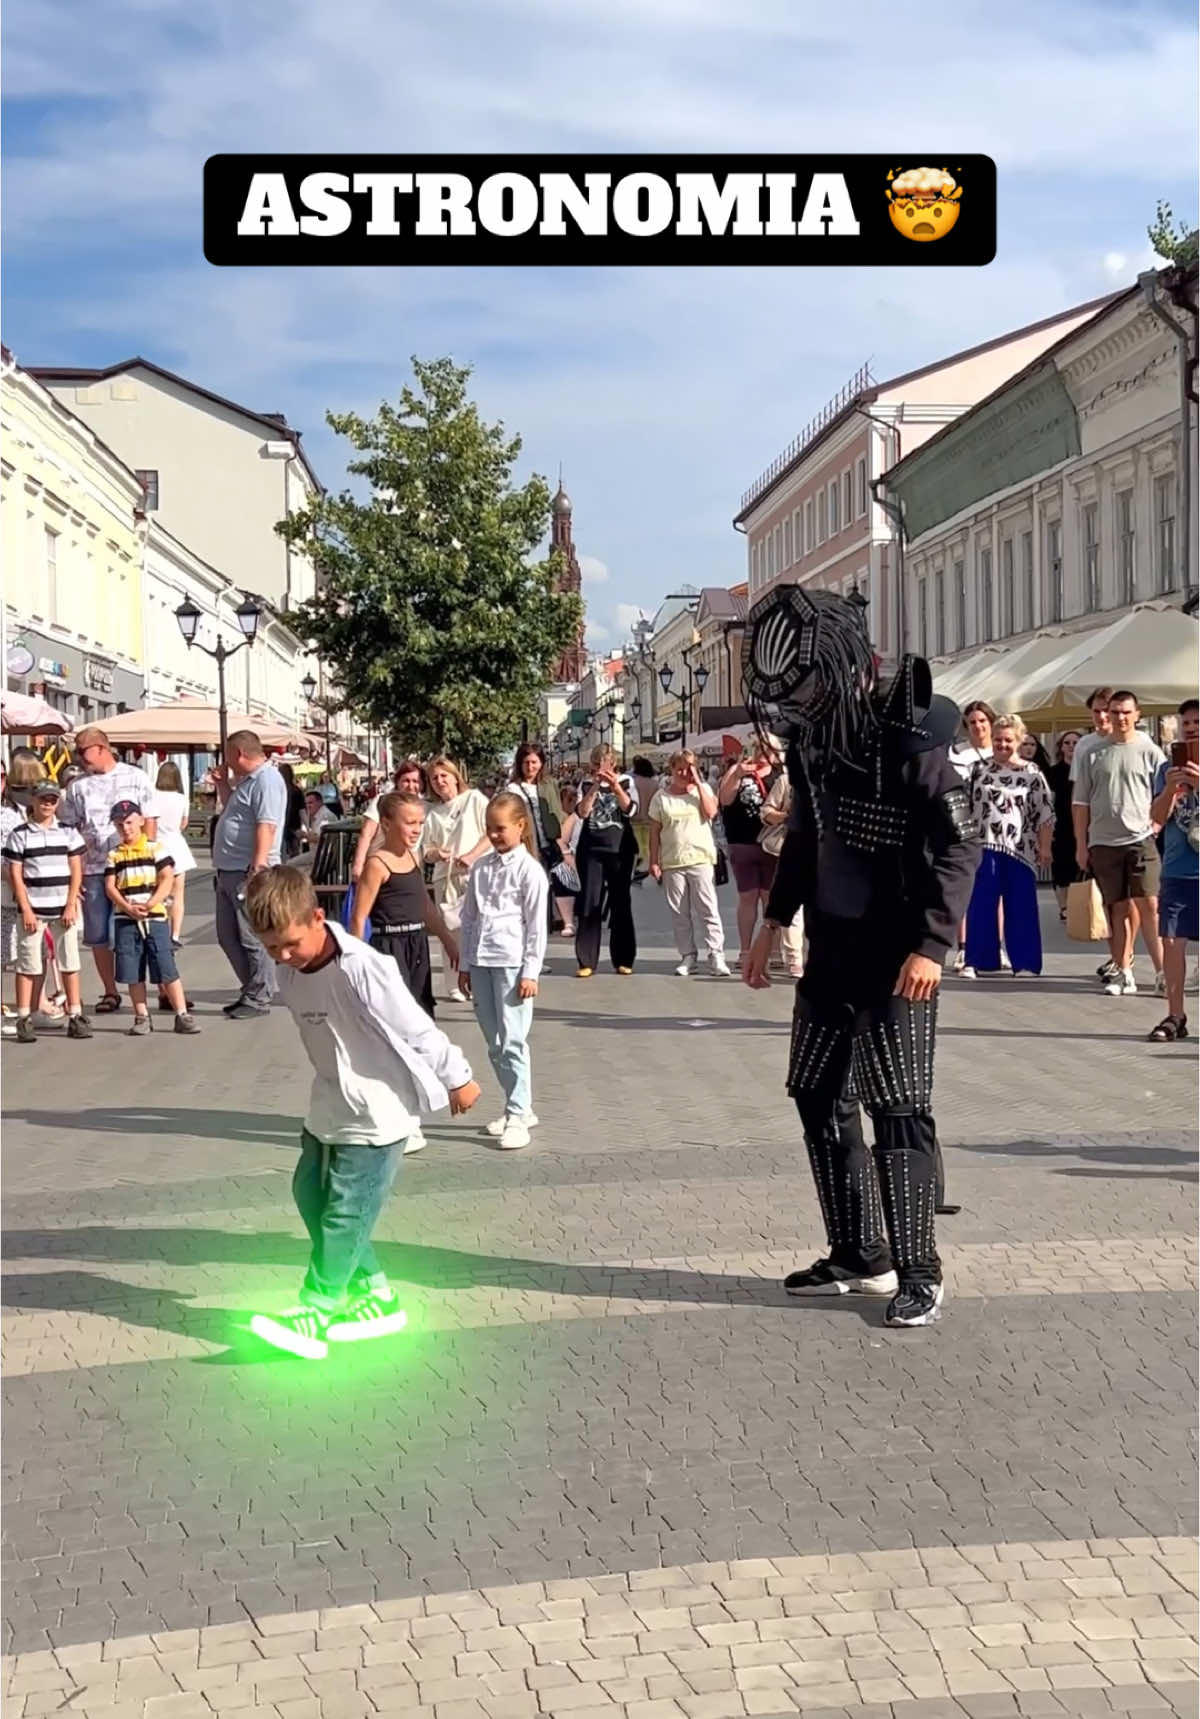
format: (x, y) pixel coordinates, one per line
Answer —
(174, 810)
(455, 836)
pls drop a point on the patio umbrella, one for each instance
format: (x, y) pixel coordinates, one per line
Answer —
(20, 713)
(1150, 649)
(190, 726)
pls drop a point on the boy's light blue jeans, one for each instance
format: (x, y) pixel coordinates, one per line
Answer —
(505, 1021)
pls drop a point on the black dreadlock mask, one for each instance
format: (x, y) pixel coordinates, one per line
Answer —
(809, 672)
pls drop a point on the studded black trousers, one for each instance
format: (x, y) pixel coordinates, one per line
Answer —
(878, 1207)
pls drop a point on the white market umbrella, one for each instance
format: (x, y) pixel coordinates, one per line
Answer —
(960, 680)
(176, 727)
(1152, 650)
(21, 713)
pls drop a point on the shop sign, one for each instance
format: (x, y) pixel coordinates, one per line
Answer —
(97, 674)
(56, 671)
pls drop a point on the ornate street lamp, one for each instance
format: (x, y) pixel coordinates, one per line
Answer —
(249, 614)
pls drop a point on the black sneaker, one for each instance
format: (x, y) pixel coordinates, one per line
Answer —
(916, 1304)
(825, 1278)
(246, 1012)
(228, 1008)
(26, 1031)
(1109, 970)
(77, 1028)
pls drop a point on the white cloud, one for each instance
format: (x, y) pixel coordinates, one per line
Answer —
(597, 634)
(594, 571)
(627, 616)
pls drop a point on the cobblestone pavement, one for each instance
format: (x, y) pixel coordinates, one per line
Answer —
(607, 1466)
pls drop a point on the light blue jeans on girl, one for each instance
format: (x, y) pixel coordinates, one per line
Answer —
(505, 1021)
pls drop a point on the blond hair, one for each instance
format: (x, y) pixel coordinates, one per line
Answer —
(518, 806)
(281, 896)
(1013, 722)
(684, 758)
(441, 762)
(603, 754)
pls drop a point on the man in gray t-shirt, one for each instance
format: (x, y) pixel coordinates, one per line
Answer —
(1114, 836)
(248, 839)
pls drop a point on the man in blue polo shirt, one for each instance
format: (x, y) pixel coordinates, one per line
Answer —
(247, 839)
(1176, 810)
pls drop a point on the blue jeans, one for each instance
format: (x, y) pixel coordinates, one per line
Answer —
(504, 1021)
(1001, 878)
(340, 1192)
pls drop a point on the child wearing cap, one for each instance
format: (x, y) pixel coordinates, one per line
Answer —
(45, 868)
(138, 879)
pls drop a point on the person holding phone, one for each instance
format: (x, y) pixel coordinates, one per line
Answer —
(683, 855)
(605, 859)
(1176, 811)
(743, 793)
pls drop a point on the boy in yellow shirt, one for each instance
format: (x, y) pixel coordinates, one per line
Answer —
(138, 879)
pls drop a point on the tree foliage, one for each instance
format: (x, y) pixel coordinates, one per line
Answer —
(428, 609)
(1173, 242)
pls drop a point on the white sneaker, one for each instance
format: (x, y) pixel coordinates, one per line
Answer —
(456, 996)
(416, 1142)
(686, 968)
(966, 972)
(496, 1128)
(1005, 963)
(1123, 984)
(959, 962)
(719, 967)
(515, 1135)
(1160, 984)
(1194, 981)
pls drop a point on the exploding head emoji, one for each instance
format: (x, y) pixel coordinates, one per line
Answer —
(924, 203)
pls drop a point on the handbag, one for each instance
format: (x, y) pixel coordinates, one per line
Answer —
(566, 877)
(1087, 921)
(721, 869)
(347, 913)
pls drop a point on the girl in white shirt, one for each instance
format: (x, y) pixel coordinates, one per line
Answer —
(502, 948)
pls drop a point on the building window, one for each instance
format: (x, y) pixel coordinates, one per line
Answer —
(987, 620)
(149, 483)
(939, 611)
(1029, 612)
(809, 539)
(822, 515)
(923, 615)
(779, 561)
(1008, 594)
(1091, 557)
(51, 539)
(960, 603)
(847, 497)
(1054, 570)
(862, 488)
(788, 557)
(834, 515)
(1126, 560)
(1164, 531)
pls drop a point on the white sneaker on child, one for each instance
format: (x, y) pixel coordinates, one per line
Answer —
(515, 1135)
(496, 1128)
(416, 1142)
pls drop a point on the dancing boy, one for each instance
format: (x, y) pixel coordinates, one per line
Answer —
(881, 854)
(378, 1063)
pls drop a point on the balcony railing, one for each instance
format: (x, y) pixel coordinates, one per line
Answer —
(858, 384)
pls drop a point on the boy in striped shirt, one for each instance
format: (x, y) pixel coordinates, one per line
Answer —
(45, 866)
(138, 879)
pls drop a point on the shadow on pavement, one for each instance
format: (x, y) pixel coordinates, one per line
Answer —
(234, 1125)
(1130, 1159)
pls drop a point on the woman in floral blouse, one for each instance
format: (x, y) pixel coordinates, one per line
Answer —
(1015, 813)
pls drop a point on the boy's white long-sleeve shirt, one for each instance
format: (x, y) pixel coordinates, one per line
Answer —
(378, 1061)
(505, 913)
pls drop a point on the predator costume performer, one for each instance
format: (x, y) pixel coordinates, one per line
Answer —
(880, 853)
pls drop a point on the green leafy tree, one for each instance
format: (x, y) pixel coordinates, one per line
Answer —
(1173, 242)
(437, 624)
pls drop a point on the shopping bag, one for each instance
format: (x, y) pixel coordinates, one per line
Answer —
(348, 914)
(1087, 921)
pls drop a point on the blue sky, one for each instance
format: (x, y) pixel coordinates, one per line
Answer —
(662, 392)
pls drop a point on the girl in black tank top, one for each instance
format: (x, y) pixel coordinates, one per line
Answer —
(393, 896)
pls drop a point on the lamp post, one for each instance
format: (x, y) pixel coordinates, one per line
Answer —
(308, 687)
(636, 712)
(248, 614)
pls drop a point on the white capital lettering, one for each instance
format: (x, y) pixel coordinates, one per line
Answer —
(781, 223)
(268, 211)
(331, 213)
(660, 204)
(737, 198)
(444, 206)
(490, 204)
(383, 189)
(828, 201)
(588, 208)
